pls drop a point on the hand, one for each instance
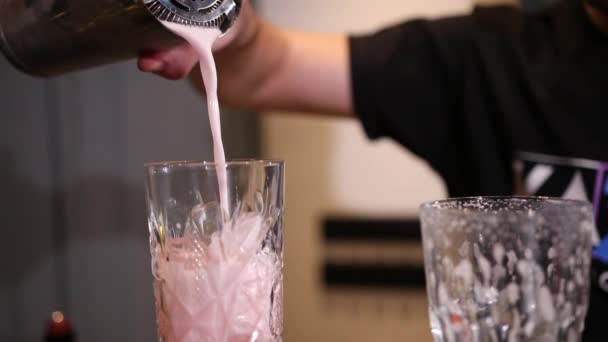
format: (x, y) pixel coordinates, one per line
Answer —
(177, 63)
(265, 68)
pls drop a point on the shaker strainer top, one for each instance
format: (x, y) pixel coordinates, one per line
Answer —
(205, 13)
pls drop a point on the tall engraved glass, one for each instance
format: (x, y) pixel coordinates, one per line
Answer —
(217, 267)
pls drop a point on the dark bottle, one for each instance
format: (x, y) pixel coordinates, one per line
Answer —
(59, 329)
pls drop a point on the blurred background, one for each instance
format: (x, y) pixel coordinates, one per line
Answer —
(75, 237)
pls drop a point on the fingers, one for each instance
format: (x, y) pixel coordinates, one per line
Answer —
(172, 64)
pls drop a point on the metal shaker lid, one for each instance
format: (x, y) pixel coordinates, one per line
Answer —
(205, 13)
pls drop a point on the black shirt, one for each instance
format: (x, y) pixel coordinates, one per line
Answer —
(490, 97)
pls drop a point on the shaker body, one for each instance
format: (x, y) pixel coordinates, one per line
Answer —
(54, 37)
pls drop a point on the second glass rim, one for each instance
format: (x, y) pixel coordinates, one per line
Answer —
(438, 204)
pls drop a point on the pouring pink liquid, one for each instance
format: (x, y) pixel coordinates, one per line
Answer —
(218, 290)
(202, 40)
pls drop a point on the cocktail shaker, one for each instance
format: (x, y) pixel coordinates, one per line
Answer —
(53, 37)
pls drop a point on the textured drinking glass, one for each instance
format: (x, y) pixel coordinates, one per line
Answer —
(217, 268)
(507, 269)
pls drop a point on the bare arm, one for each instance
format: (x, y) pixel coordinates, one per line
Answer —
(288, 71)
(263, 68)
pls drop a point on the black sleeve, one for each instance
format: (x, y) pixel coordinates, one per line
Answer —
(407, 80)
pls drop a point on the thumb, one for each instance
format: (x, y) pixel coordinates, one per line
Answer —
(173, 64)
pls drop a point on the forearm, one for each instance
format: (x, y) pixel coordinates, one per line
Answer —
(287, 71)
(314, 77)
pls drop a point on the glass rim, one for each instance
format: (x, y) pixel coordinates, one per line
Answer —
(187, 164)
(442, 204)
